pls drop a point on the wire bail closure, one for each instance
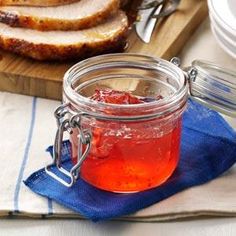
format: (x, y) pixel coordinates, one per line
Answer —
(66, 123)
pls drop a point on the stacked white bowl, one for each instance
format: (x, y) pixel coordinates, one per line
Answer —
(223, 24)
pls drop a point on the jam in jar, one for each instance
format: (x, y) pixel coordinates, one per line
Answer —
(133, 116)
(124, 113)
(133, 156)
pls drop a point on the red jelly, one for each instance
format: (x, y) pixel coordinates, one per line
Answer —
(115, 97)
(129, 156)
(131, 140)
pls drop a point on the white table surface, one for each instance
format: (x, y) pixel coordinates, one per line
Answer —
(201, 46)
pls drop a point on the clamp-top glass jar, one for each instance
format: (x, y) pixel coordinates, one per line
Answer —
(134, 147)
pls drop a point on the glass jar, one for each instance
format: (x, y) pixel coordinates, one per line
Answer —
(130, 148)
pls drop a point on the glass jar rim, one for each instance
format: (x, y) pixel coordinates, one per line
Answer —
(83, 66)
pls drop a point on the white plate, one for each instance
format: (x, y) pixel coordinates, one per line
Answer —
(223, 33)
(225, 45)
(224, 12)
(215, 22)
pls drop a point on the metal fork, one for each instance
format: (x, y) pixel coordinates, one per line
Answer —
(149, 13)
(170, 7)
(147, 5)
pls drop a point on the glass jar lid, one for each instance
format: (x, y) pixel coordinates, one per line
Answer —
(213, 86)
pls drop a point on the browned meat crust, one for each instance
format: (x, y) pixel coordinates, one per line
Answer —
(64, 52)
(44, 3)
(14, 19)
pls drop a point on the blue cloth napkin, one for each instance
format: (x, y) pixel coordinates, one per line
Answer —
(208, 149)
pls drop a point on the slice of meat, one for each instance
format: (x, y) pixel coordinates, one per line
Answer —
(62, 45)
(75, 16)
(124, 2)
(35, 2)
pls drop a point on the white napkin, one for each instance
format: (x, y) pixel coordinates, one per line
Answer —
(28, 128)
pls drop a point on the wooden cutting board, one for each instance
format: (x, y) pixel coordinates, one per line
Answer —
(44, 79)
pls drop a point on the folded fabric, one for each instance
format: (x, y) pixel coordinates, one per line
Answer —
(208, 149)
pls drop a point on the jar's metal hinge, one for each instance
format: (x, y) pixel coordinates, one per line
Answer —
(189, 72)
(176, 61)
(192, 74)
(66, 123)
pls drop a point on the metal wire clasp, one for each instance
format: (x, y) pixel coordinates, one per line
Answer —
(66, 123)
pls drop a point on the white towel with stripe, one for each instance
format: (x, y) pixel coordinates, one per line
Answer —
(28, 128)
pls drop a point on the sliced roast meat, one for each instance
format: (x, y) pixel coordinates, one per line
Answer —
(44, 3)
(62, 45)
(75, 16)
